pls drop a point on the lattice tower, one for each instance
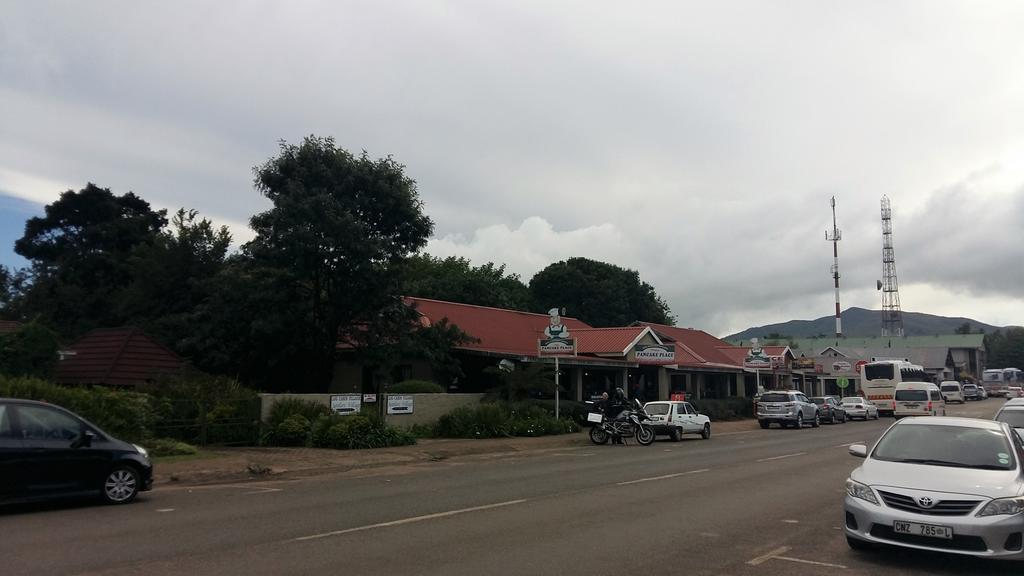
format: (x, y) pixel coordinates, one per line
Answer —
(892, 316)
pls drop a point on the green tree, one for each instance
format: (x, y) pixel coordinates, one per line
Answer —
(457, 280)
(598, 293)
(80, 252)
(31, 351)
(339, 226)
(964, 328)
(1005, 349)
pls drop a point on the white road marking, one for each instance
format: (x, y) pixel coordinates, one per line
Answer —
(783, 456)
(268, 490)
(811, 562)
(409, 520)
(165, 510)
(846, 445)
(766, 557)
(665, 477)
(791, 521)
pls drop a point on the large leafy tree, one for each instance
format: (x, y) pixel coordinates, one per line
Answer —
(598, 293)
(31, 350)
(80, 256)
(457, 280)
(339, 226)
(1005, 348)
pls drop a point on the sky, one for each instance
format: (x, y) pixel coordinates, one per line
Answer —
(698, 143)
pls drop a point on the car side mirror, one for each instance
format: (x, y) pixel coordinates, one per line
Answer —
(859, 450)
(84, 439)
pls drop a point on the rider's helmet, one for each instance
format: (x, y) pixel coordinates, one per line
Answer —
(620, 394)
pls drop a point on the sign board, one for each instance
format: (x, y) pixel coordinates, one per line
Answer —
(655, 353)
(756, 357)
(804, 363)
(841, 366)
(369, 398)
(346, 404)
(400, 404)
(778, 362)
(556, 347)
(678, 397)
(842, 383)
(859, 365)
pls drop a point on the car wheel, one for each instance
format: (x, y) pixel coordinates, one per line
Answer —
(675, 435)
(799, 421)
(817, 420)
(121, 485)
(598, 435)
(764, 424)
(856, 544)
(706, 433)
(832, 418)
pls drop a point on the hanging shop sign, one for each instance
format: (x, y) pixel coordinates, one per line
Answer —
(400, 404)
(756, 358)
(556, 340)
(842, 366)
(655, 353)
(804, 363)
(346, 404)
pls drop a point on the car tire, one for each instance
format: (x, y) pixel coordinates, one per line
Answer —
(675, 434)
(817, 420)
(706, 432)
(799, 421)
(598, 435)
(764, 424)
(121, 485)
(832, 418)
(856, 544)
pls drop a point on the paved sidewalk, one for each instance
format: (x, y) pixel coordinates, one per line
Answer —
(237, 464)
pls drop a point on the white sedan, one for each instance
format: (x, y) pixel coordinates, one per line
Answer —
(676, 418)
(860, 407)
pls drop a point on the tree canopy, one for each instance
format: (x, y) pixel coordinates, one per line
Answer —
(1005, 348)
(598, 293)
(457, 280)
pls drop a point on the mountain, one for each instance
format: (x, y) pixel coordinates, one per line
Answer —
(860, 323)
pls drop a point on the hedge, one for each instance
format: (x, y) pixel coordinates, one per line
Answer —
(734, 408)
(498, 420)
(415, 387)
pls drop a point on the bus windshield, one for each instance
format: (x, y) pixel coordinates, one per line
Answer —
(878, 371)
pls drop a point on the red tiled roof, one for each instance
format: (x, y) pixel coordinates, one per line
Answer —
(705, 347)
(605, 340)
(735, 354)
(116, 357)
(8, 326)
(498, 330)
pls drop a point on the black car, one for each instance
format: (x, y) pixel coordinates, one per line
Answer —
(47, 451)
(830, 409)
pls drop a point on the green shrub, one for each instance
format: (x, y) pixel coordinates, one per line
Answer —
(355, 432)
(576, 411)
(416, 387)
(495, 420)
(229, 410)
(169, 447)
(285, 407)
(733, 408)
(129, 416)
(293, 431)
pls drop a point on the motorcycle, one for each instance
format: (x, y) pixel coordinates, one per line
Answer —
(631, 422)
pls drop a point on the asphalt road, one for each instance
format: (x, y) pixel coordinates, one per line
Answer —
(762, 502)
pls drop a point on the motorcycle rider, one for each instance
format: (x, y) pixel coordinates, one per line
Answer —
(614, 408)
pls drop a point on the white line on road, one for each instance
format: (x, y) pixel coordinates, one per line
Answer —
(409, 520)
(665, 477)
(768, 556)
(845, 445)
(781, 457)
(165, 510)
(263, 491)
(811, 562)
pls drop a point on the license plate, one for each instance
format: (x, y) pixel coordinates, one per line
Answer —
(594, 417)
(911, 405)
(929, 530)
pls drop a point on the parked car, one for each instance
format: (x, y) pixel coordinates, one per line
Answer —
(1012, 413)
(787, 408)
(47, 451)
(918, 399)
(971, 392)
(675, 418)
(1014, 392)
(983, 392)
(860, 407)
(944, 484)
(830, 409)
(951, 391)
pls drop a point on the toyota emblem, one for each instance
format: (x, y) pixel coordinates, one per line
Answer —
(926, 502)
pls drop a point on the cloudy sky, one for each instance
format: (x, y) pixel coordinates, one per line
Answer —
(698, 143)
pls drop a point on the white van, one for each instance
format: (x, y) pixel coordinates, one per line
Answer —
(918, 399)
(951, 391)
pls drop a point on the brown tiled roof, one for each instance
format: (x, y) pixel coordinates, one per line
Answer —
(116, 357)
(705, 347)
(606, 340)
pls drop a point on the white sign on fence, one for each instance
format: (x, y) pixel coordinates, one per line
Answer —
(346, 404)
(400, 404)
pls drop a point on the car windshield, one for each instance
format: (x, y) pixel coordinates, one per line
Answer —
(950, 388)
(818, 400)
(656, 409)
(775, 398)
(878, 372)
(1014, 418)
(945, 445)
(970, 387)
(912, 395)
(853, 400)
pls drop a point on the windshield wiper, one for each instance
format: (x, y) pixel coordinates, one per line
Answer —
(932, 462)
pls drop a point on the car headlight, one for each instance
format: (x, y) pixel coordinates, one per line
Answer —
(143, 451)
(1000, 506)
(862, 491)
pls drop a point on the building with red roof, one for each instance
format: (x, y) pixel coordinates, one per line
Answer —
(116, 357)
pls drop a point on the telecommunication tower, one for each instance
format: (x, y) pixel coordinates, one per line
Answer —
(892, 316)
(834, 238)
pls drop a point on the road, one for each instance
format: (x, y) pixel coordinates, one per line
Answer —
(760, 503)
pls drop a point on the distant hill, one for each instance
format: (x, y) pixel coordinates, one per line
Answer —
(860, 323)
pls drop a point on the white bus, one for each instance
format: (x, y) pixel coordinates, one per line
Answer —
(997, 380)
(881, 378)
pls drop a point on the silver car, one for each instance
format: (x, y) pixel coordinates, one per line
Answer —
(860, 407)
(939, 483)
(787, 408)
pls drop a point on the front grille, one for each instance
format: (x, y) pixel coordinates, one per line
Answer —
(941, 508)
(966, 543)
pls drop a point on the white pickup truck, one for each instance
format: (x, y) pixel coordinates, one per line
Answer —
(675, 418)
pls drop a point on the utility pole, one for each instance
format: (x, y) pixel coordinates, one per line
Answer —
(834, 238)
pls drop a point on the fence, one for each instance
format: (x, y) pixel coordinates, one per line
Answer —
(202, 423)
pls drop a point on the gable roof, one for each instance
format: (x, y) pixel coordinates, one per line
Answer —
(499, 331)
(615, 341)
(703, 346)
(116, 357)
